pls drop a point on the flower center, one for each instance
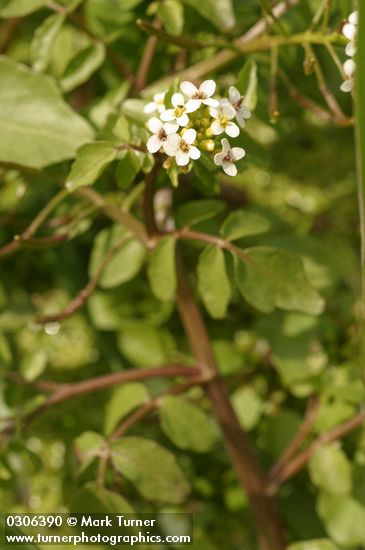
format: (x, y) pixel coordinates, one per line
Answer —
(238, 103)
(180, 110)
(199, 95)
(223, 120)
(228, 157)
(184, 146)
(162, 135)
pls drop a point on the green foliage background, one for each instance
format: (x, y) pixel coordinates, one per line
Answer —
(297, 190)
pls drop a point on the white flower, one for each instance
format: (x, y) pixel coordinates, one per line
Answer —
(236, 100)
(349, 68)
(350, 31)
(160, 131)
(198, 96)
(158, 104)
(182, 148)
(228, 157)
(223, 123)
(179, 112)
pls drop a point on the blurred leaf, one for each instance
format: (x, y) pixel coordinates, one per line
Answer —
(5, 351)
(269, 278)
(161, 269)
(19, 8)
(248, 406)
(218, 12)
(33, 364)
(330, 470)
(128, 167)
(242, 223)
(93, 499)
(158, 478)
(37, 127)
(82, 66)
(344, 519)
(194, 212)
(228, 357)
(146, 346)
(91, 161)
(42, 41)
(172, 16)
(331, 413)
(187, 426)
(88, 445)
(280, 430)
(213, 282)
(124, 400)
(247, 84)
(318, 544)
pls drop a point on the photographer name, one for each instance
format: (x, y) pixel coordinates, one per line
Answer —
(115, 521)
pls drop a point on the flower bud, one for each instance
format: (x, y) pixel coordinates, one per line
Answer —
(207, 145)
(167, 163)
(209, 133)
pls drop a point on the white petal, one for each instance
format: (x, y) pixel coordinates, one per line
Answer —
(351, 49)
(194, 152)
(170, 128)
(189, 136)
(154, 125)
(354, 18)
(217, 128)
(225, 146)
(154, 144)
(177, 99)
(218, 158)
(228, 111)
(211, 102)
(193, 105)
(161, 108)
(188, 88)
(232, 129)
(240, 119)
(229, 168)
(159, 97)
(183, 120)
(347, 86)
(214, 112)
(349, 67)
(207, 87)
(237, 153)
(172, 144)
(168, 115)
(150, 107)
(234, 94)
(182, 158)
(349, 31)
(244, 111)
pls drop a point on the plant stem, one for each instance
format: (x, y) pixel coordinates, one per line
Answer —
(267, 520)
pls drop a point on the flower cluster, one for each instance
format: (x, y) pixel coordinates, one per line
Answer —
(349, 67)
(193, 123)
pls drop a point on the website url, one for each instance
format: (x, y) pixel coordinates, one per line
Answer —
(83, 538)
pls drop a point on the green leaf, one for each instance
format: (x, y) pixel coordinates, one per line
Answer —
(157, 478)
(316, 544)
(93, 499)
(172, 16)
(194, 212)
(186, 425)
(248, 406)
(88, 444)
(247, 84)
(42, 42)
(82, 66)
(161, 269)
(19, 8)
(269, 278)
(91, 161)
(146, 346)
(213, 282)
(124, 400)
(37, 128)
(128, 167)
(330, 470)
(344, 519)
(229, 358)
(33, 364)
(242, 223)
(218, 12)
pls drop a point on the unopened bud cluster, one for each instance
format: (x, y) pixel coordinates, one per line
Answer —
(192, 124)
(349, 67)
